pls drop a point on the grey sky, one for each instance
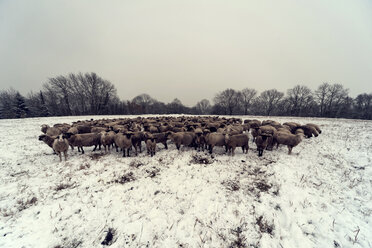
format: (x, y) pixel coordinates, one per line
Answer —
(188, 49)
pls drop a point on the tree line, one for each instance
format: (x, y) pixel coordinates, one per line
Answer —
(89, 94)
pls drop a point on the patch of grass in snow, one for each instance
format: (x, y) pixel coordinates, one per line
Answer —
(70, 244)
(22, 205)
(152, 172)
(136, 163)
(264, 226)
(63, 186)
(109, 238)
(232, 185)
(96, 156)
(128, 177)
(201, 159)
(239, 238)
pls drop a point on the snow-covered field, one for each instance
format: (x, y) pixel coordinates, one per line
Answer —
(320, 196)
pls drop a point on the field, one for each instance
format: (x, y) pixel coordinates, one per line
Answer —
(320, 196)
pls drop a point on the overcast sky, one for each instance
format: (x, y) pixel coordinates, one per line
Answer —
(188, 49)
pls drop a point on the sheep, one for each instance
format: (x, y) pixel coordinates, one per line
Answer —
(309, 131)
(47, 140)
(124, 141)
(292, 126)
(290, 140)
(107, 139)
(200, 139)
(161, 138)
(215, 139)
(150, 144)
(153, 129)
(60, 145)
(268, 131)
(85, 139)
(51, 131)
(232, 141)
(314, 126)
(137, 139)
(262, 142)
(182, 138)
(84, 129)
(98, 129)
(232, 130)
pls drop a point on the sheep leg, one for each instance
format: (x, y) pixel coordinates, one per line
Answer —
(72, 147)
(210, 149)
(290, 149)
(165, 145)
(95, 147)
(232, 151)
(60, 156)
(116, 148)
(260, 152)
(128, 152)
(65, 153)
(82, 150)
(123, 152)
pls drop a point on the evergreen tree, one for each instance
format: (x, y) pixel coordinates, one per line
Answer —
(20, 108)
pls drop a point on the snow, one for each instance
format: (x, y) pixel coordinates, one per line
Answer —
(319, 196)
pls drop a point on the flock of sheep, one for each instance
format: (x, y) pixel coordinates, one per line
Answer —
(198, 132)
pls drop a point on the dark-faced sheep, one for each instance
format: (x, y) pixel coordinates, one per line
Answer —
(237, 140)
(317, 128)
(161, 138)
(85, 139)
(290, 140)
(137, 139)
(215, 139)
(51, 131)
(182, 138)
(60, 145)
(124, 141)
(107, 139)
(48, 140)
(150, 144)
(262, 142)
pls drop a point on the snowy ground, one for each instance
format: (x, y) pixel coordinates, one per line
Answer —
(320, 196)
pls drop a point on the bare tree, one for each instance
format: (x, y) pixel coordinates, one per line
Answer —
(79, 94)
(299, 98)
(229, 100)
(331, 99)
(203, 107)
(247, 96)
(363, 106)
(269, 100)
(321, 95)
(145, 101)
